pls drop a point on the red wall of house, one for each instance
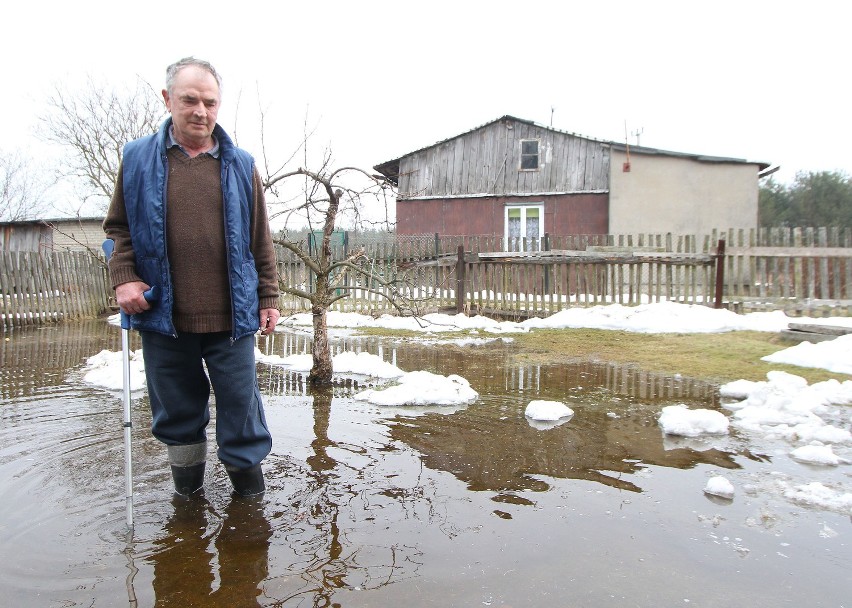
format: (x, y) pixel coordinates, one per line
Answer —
(484, 216)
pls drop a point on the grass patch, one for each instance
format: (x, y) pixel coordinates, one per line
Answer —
(718, 357)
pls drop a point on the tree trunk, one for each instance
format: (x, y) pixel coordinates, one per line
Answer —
(321, 372)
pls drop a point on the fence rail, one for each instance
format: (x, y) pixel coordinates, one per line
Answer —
(799, 270)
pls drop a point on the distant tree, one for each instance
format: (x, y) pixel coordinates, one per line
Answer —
(22, 188)
(773, 204)
(93, 124)
(813, 199)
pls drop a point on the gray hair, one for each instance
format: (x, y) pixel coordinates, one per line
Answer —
(173, 69)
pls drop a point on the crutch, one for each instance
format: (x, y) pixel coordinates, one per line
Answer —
(150, 296)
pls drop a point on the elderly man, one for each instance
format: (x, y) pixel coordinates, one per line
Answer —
(188, 216)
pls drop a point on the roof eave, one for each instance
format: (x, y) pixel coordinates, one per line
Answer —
(702, 158)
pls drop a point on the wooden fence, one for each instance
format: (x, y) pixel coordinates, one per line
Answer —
(798, 270)
(38, 288)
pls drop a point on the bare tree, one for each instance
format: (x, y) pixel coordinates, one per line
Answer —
(94, 124)
(328, 196)
(22, 188)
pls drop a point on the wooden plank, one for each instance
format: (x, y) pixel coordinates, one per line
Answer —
(791, 252)
(805, 336)
(56, 285)
(832, 330)
(24, 285)
(7, 290)
(824, 286)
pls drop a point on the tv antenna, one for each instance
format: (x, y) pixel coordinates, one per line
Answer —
(637, 133)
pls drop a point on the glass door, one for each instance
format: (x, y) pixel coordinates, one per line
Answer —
(524, 227)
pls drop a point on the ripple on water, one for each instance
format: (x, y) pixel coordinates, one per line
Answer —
(458, 507)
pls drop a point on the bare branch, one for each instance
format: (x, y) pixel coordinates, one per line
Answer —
(94, 252)
(93, 125)
(22, 189)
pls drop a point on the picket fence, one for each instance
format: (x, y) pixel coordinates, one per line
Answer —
(38, 288)
(798, 270)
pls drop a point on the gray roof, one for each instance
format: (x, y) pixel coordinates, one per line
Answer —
(391, 168)
(54, 220)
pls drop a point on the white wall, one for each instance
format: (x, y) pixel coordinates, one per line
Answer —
(680, 195)
(75, 235)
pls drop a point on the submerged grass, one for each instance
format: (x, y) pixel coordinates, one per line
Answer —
(717, 357)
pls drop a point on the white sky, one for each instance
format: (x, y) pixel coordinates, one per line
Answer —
(761, 81)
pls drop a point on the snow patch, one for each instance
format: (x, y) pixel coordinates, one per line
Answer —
(719, 486)
(786, 406)
(363, 364)
(105, 370)
(817, 495)
(422, 388)
(816, 454)
(678, 420)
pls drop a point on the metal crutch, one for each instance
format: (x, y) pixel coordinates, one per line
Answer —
(150, 295)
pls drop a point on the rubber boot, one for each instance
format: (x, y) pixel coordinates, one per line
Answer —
(187, 462)
(247, 482)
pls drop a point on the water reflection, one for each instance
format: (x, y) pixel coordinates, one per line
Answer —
(325, 560)
(359, 495)
(206, 559)
(490, 446)
(40, 357)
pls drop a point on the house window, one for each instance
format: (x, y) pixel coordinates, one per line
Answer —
(524, 227)
(529, 155)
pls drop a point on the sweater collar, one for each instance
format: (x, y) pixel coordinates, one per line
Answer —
(171, 142)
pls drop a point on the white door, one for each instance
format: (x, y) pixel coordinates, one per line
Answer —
(524, 222)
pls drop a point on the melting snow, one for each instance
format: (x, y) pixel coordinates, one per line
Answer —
(719, 486)
(678, 420)
(422, 388)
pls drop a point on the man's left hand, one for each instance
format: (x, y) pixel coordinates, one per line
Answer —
(268, 320)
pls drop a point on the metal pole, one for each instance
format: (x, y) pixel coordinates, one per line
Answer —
(150, 295)
(128, 423)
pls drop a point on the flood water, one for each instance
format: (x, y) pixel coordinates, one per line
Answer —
(386, 507)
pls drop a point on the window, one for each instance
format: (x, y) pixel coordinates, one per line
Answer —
(524, 227)
(529, 155)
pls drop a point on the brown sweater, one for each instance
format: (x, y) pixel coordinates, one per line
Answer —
(195, 233)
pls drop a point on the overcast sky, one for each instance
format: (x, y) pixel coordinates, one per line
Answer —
(762, 81)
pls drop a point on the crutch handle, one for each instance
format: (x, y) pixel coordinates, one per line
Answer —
(150, 295)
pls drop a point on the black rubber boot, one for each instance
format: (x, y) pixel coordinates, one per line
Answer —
(247, 482)
(187, 462)
(188, 480)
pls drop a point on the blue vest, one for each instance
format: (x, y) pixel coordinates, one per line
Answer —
(145, 167)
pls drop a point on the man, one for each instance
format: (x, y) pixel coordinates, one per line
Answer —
(188, 217)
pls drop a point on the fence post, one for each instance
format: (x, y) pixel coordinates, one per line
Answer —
(460, 280)
(546, 267)
(720, 272)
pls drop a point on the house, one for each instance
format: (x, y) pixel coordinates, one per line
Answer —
(515, 178)
(60, 234)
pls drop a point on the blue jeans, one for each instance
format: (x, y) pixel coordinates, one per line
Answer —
(179, 391)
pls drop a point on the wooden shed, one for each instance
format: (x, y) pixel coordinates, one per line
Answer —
(518, 179)
(59, 234)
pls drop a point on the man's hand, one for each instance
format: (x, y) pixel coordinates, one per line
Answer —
(268, 320)
(130, 299)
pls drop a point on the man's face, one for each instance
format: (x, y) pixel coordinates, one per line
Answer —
(194, 105)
